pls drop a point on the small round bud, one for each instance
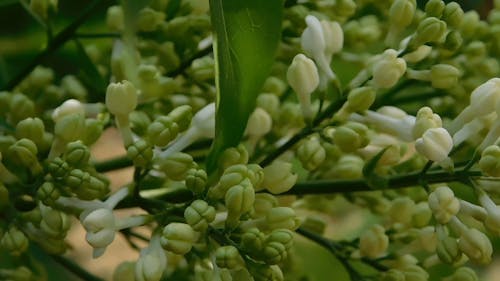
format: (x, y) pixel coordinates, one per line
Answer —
(434, 8)
(239, 199)
(100, 227)
(77, 154)
(444, 204)
(490, 161)
(48, 193)
(401, 13)
(196, 180)
(233, 156)
(182, 115)
(269, 102)
(70, 127)
(430, 30)
(274, 252)
(435, 144)
(453, 41)
(54, 223)
(388, 69)
(148, 19)
(463, 274)
(444, 76)
(228, 257)
(14, 241)
(162, 131)
(426, 119)
(303, 77)
(176, 165)
(140, 152)
(361, 99)
(139, 122)
(422, 215)
(351, 136)
(401, 210)
(199, 214)
(278, 177)
(374, 242)
(282, 217)
(115, 18)
(259, 123)
(453, 14)
(121, 98)
(21, 108)
(93, 131)
(73, 87)
(58, 168)
(311, 154)
(178, 238)
(23, 152)
(448, 251)
(252, 241)
(32, 129)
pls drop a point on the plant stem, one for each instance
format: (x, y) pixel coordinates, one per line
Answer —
(395, 182)
(59, 40)
(113, 164)
(185, 64)
(75, 268)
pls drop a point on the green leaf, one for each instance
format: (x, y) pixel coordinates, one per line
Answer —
(372, 178)
(246, 36)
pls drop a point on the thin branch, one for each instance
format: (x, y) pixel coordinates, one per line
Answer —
(185, 64)
(59, 40)
(75, 268)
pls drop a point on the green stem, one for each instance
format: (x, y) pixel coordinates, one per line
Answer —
(59, 40)
(187, 63)
(75, 268)
(395, 182)
(113, 164)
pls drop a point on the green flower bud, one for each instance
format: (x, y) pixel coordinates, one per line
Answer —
(24, 153)
(435, 144)
(426, 119)
(125, 271)
(73, 87)
(31, 128)
(278, 177)
(115, 18)
(349, 167)
(360, 99)
(199, 214)
(422, 215)
(374, 242)
(311, 154)
(239, 200)
(444, 204)
(475, 49)
(453, 41)
(228, 257)
(48, 193)
(162, 131)
(314, 224)
(490, 161)
(69, 127)
(273, 252)
(283, 236)
(448, 251)
(387, 69)
(463, 274)
(430, 30)
(345, 8)
(259, 123)
(121, 98)
(274, 85)
(235, 175)
(6, 142)
(270, 103)
(444, 76)
(140, 152)
(176, 165)
(54, 223)
(252, 241)
(476, 246)
(178, 238)
(93, 188)
(434, 8)
(182, 115)
(14, 241)
(92, 132)
(233, 156)
(282, 217)
(139, 122)
(415, 273)
(453, 14)
(58, 168)
(24, 108)
(303, 77)
(77, 154)
(202, 69)
(77, 179)
(401, 13)
(149, 20)
(351, 136)
(418, 55)
(196, 180)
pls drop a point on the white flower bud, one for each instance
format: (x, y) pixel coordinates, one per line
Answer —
(388, 69)
(314, 44)
(419, 54)
(121, 98)
(302, 75)
(100, 227)
(152, 262)
(435, 144)
(444, 204)
(492, 221)
(426, 119)
(374, 242)
(278, 177)
(334, 37)
(391, 120)
(259, 123)
(68, 107)
(476, 245)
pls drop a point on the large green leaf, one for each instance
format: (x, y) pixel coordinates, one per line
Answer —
(246, 36)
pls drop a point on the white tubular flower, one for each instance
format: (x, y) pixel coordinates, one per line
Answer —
(492, 221)
(494, 132)
(389, 119)
(302, 75)
(435, 144)
(99, 221)
(70, 106)
(483, 101)
(202, 126)
(444, 204)
(387, 69)
(472, 242)
(278, 177)
(152, 261)
(473, 128)
(121, 99)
